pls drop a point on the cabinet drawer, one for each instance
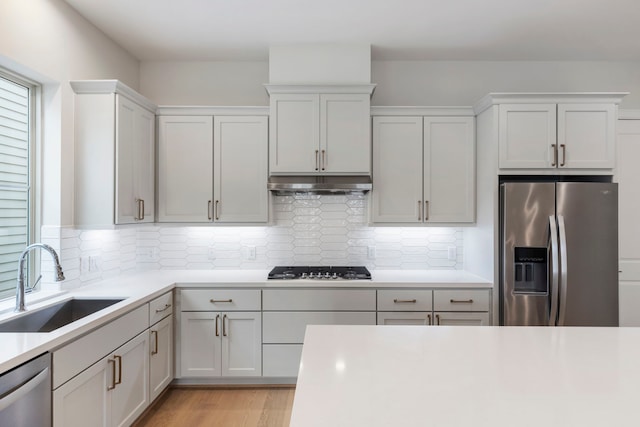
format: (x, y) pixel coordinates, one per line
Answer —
(405, 300)
(220, 299)
(422, 318)
(461, 300)
(289, 327)
(281, 360)
(319, 299)
(160, 308)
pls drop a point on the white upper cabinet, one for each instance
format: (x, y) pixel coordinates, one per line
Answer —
(423, 169)
(555, 131)
(212, 169)
(319, 130)
(185, 168)
(114, 154)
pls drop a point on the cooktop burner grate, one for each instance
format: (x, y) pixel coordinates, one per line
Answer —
(320, 273)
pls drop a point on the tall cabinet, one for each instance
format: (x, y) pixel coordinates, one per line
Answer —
(423, 166)
(114, 154)
(212, 166)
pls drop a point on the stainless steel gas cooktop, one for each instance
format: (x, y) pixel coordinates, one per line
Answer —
(320, 273)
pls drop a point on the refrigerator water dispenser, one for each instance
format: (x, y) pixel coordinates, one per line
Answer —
(530, 270)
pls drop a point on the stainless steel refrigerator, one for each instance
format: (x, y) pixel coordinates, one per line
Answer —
(559, 254)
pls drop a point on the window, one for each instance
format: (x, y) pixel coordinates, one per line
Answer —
(16, 177)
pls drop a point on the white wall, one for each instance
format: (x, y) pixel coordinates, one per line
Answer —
(46, 40)
(434, 83)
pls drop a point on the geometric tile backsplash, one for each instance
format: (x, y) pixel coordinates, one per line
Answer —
(306, 229)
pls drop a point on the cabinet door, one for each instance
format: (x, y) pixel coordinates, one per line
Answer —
(240, 167)
(200, 347)
(131, 395)
(586, 136)
(185, 169)
(85, 397)
(160, 356)
(242, 344)
(397, 169)
(345, 135)
(144, 167)
(527, 136)
(461, 319)
(449, 169)
(126, 142)
(294, 136)
(404, 318)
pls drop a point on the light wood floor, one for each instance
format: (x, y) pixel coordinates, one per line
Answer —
(241, 407)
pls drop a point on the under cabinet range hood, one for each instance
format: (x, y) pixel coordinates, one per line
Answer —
(320, 184)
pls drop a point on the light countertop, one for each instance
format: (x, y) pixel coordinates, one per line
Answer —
(368, 376)
(140, 288)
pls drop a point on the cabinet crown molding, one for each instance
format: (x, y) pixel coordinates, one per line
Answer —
(421, 111)
(496, 98)
(320, 88)
(111, 86)
(198, 110)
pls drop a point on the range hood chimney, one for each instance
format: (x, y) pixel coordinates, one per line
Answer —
(333, 184)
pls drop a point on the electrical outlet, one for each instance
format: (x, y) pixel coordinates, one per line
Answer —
(84, 264)
(94, 263)
(371, 252)
(452, 253)
(250, 253)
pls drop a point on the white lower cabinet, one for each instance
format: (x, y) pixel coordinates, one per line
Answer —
(215, 344)
(461, 318)
(112, 392)
(160, 356)
(287, 313)
(404, 318)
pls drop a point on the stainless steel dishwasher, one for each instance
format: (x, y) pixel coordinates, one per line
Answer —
(25, 394)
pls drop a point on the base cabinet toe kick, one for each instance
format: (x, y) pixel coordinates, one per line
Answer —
(255, 336)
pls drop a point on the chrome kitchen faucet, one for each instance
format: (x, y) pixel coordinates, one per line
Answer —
(23, 256)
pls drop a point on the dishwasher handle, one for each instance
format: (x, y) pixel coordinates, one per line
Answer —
(23, 389)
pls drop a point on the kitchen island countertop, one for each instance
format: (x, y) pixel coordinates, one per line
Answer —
(372, 376)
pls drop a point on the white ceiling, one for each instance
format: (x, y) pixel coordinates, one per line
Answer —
(396, 29)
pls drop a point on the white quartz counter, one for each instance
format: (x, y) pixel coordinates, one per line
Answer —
(367, 376)
(137, 289)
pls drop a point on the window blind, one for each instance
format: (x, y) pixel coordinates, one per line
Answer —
(14, 180)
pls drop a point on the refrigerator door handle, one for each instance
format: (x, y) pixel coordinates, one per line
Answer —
(563, 271)
(555, 273)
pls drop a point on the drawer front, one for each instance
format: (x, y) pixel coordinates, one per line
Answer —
(461, 300)
(220, 300)
(289, 327)
(281, 360)
(405, 300)
(319, 299)
(160, 308)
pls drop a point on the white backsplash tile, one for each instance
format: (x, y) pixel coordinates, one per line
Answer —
(306, 229)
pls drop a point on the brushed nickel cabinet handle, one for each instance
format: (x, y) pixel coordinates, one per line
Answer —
(437, 319)
(209, 210)
(419, 210)
(461, 301)
(400, 301)
(160, 310)
(564, 154)
(317, 160)
(217, 330)
(214, 301)
(216, 210)
(113, 375)
(426, 210)
(142, 209)
(324, 159)
(119, 359)
(224, 327)
(155, 342)
(555, 154)
(429, 319)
